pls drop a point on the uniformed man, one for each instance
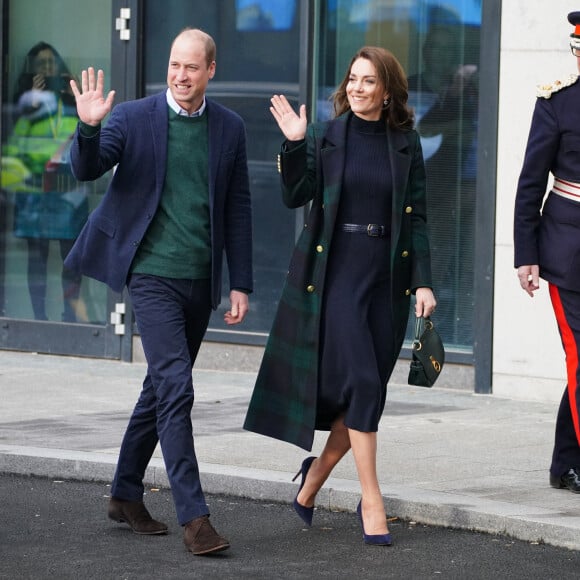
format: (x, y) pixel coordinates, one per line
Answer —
(547, 241)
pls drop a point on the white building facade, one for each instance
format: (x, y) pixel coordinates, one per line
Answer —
(528, 359)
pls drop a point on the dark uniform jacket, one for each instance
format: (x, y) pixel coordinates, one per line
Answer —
(547, 232)
(135, 139)
(283, 404)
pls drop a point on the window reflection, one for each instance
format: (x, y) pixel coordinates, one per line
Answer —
(438, 44)
(47, 203)
(258, 51)
(42, 206)
(257, 56)
(265, 14)
(445, 96)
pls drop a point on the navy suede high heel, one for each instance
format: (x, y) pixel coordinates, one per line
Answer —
(374, 540)
(304, 512)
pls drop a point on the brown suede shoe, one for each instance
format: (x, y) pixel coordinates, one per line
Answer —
(136, 515)
(200, 537)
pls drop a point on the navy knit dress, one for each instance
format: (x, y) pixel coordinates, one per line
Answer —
(357, 348)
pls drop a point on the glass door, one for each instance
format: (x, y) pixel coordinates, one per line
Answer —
(44, 307)
(258, 55)
(438, 44)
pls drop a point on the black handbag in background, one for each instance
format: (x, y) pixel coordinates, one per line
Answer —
(428, 354)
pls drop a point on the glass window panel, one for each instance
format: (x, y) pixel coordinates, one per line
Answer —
(257, 56)
(42, 206)
(437, 42)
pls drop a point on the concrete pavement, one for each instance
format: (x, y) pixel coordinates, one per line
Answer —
(446, 456)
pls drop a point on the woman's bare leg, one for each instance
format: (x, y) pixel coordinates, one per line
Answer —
(337, 445)
(364, 449)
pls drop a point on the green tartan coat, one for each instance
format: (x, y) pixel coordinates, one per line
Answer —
(283, 404)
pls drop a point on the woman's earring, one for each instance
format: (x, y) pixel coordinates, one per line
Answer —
(386, 102)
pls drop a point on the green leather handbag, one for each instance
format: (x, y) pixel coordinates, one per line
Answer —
(428, 354)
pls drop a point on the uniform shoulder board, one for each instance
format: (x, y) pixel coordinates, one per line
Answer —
(546, 91)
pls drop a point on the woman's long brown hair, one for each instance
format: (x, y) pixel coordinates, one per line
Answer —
(391, 77)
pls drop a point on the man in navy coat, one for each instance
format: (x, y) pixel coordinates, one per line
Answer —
(547, 241)
(178, 199)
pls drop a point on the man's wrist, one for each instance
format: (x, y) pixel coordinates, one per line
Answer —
(87, 130)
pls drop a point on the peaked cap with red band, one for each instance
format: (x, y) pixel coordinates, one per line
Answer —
(574, 20)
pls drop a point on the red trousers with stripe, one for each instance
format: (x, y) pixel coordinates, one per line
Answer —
(566, 304)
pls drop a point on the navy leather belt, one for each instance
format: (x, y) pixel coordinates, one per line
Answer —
(371, 230)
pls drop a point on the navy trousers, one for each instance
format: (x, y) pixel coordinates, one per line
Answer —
(566, 304)
(172, 316)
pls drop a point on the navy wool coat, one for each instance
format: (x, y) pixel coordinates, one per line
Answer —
(283, 404)
(134, 140)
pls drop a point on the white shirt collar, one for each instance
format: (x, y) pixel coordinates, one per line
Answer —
(173, 104)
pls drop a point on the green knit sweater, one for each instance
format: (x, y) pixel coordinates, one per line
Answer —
(177, 243)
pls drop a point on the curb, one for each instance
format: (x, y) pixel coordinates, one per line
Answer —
(407, 503)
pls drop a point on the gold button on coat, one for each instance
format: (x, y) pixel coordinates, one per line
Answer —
(408, 209)
(310, 288)
(407, 292)
(405, 254)
(320, 249)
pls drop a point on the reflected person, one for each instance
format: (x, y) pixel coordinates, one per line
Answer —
(49, 205)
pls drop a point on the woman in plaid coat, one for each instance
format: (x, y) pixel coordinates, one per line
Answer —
(364, 250)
